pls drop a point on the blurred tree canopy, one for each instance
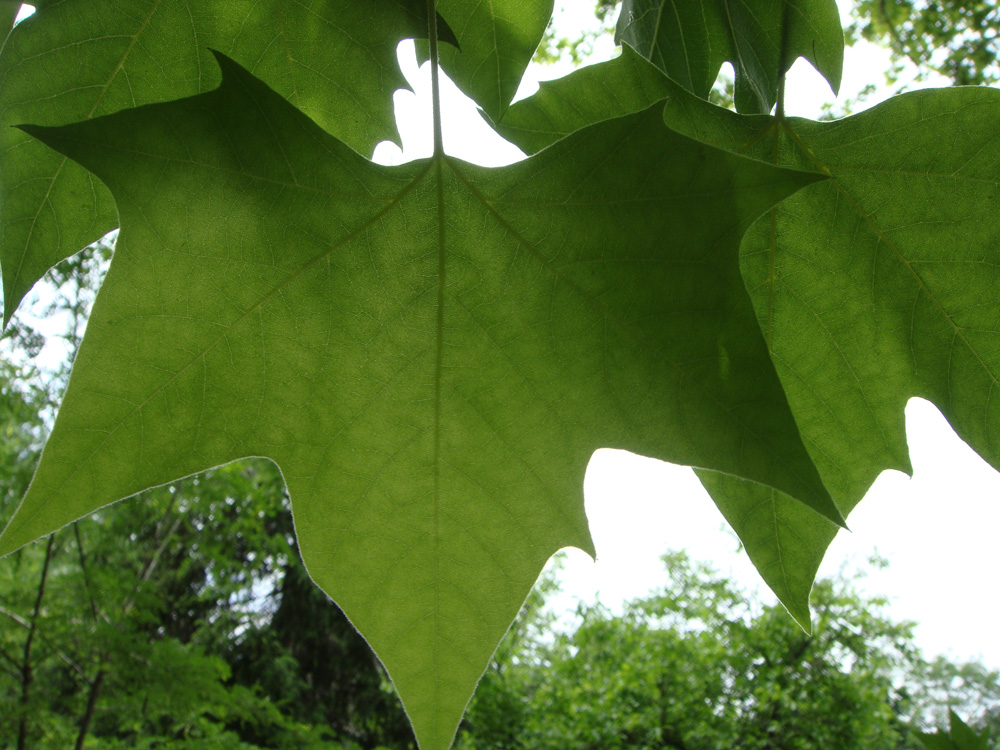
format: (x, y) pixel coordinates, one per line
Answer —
(957, 39)
(697, 665)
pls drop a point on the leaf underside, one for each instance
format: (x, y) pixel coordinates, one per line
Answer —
(689, 41)
(872, 287)
(430, 353)
(333, 59)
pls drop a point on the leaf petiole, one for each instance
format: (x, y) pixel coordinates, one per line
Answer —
(432, 36)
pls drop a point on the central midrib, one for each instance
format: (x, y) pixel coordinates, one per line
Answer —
(438, 376)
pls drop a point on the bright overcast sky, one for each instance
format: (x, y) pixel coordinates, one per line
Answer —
(938, 530)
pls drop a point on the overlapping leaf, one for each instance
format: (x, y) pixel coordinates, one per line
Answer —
(960, 736)
(880, 287)
(621, 86)
(430, 353)
(495, 42)
(334, 59)
(874, 287)
(690, 39)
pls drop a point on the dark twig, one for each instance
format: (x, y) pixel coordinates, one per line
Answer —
(27, 675)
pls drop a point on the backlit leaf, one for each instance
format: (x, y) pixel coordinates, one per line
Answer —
(334, 59)
(870, 289)
(430, 353)
(690, 39)
(494, 44)
(620, 86)
(880, 287)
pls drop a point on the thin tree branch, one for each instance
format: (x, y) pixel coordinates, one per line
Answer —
(86, 573)
(13, 671)
(26, 624)
(27, 675)
(146, 570)
(150, 565)
(88, 714)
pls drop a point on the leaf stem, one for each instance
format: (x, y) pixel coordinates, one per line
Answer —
(432, 36)
(779, 109)
(783, 62)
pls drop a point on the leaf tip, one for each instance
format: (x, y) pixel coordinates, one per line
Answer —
(227, 65)
(800, 613)
(31, 130)
(41, 133)
(45, 134)
(838, 518)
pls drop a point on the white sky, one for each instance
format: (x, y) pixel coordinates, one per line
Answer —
(938, 529)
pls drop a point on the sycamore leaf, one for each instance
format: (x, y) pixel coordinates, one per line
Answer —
(334, 59)
(495, 42)
(690, 39)
(960, 736)
(871, 288)
(626, 84)
(783, 538)
(430, 353)
(878, 288)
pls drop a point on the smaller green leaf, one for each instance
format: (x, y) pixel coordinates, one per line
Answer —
(492, 45)
(626, 84)
(690, 39)
(960, 736)
(70, 61)
(876, 286)
(784, 539)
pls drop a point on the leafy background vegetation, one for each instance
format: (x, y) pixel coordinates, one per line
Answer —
(204, 629)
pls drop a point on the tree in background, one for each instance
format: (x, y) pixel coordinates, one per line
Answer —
(697, 665)
(956, 39)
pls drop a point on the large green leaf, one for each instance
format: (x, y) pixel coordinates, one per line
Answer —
(690, 39)
(430, 353)
(870, 289)
(877, 288)
(334, 59)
